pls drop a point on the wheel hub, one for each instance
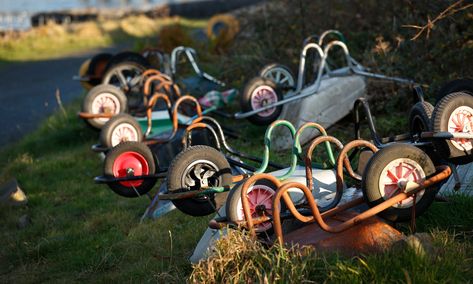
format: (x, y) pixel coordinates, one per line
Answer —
(200, 174)
(130, 172)
(261, 97)
(395, 177)
(260, 209)
(461, 121)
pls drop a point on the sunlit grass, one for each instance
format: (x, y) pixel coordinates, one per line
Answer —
(55, 40)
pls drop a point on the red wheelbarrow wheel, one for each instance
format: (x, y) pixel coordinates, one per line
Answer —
(196, 168)
(454, 113)
(388, 170)
(130, 158)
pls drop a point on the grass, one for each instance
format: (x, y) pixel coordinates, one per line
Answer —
(240, 259)
(82, 232)
(53, 40)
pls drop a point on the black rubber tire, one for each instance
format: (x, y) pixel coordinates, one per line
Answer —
(245, 100)
(234, 199)
(121, 189)
(440, 117)
(127, 56)
(97, 67)
(267, 68)
(458, 85)
(92, 95)
(419, 118)
(374, 169)
(203, 205)
(106, 134)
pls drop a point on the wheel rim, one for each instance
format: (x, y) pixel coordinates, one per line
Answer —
(122, 133)
(280, 76)
(461, 121)
(130, 164)
(397, 173)
(200, 174)
(260, 198)
(122, 76)
(262, 96)
(105, 103)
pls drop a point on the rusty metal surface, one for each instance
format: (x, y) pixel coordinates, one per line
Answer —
(87, 115)
(153, 76)
(371, 236)
(442, 173)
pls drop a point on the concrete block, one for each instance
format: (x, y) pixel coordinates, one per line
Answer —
(205, 246)
(465, 172)
(333, 101)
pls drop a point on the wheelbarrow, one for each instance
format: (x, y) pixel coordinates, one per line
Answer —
(159, 125)
(444, 132)
(262, 100)
(283, 76)
(389, 172)
(104, 101)
(131, 169)
(124, 89)
(124, 68)
(184, 188)
(419, 182)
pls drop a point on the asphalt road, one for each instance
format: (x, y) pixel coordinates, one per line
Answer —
(27, 91)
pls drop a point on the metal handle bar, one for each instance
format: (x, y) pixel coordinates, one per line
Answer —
(309, 39)
(342, 161)
(297, 145)
(175, 121)
(219, 131)
(267, 145)
(337, 33)
(187, 137)
(190, 54)
(161, 78)
(307, 47)
(362, 102)
(442, 173)
(308, 168)
(152, 102)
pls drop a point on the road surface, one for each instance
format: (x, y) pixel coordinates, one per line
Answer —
(27, 91)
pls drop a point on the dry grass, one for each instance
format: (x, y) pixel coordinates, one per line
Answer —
(53, 40)
(239, 259)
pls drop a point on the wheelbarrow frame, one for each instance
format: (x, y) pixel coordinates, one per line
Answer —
(324, 72)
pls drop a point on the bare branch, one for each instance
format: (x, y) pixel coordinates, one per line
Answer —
(449, 11)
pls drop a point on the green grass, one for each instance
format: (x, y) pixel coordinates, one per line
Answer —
(81, 231)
